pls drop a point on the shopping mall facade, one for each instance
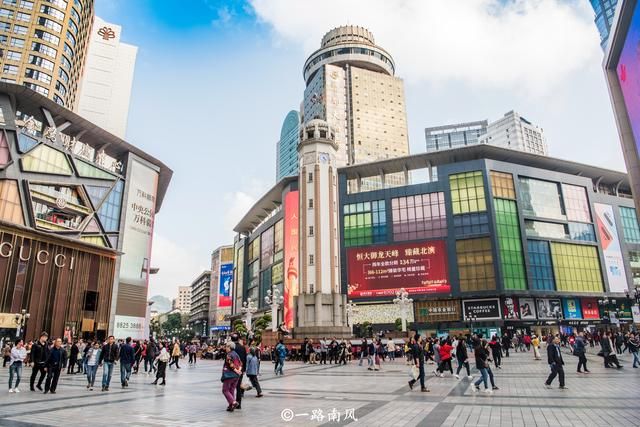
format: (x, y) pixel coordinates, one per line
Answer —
(494, 239)
(77, 208)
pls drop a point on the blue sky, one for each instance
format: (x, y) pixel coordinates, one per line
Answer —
(215, 79)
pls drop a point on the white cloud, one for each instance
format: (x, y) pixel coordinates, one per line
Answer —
(530, 46)
(239, 202)
(179, 266)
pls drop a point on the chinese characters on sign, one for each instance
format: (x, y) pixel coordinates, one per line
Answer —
(291, 221)
(318, 415)
(420, 268)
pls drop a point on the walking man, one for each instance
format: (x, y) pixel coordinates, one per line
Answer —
(554, 358)
(108, 357)
(127, 357)
(242, 354)
(39, 355)
(281, 354)
(55, 362)
(579, 348)
(417, 351)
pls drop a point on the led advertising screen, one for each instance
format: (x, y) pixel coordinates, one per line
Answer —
(291, 224)
(138, 226)
(610, 242)
(590, 308)
(420, 268)
(628, 71)
(226, 280)
(572, 308)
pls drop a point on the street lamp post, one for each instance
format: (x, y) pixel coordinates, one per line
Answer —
(403, 301)
(352, 309)
(248, 308)
(21, 320)
(471, 317)
(274, 299)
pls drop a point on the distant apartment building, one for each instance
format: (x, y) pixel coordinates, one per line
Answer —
(183, 301)
(511, 131)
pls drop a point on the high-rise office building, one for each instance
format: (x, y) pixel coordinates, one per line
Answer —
(183, 300)
(287, 149)
(350, 83)
(43, 45)
(517, 133)
(605, 10)
(511, 131)
(105, 89)
(454, 136)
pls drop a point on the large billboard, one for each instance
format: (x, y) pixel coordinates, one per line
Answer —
(610, 242)
(482, 309)
(549, 308)
(291, 225)
(138, 225)
(628, 71)
(420, 268)
(572, 308)
(224, 290)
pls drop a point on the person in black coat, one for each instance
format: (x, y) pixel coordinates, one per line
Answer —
(55, 361)
(39, 354)
(73, 358)
(607, 352)
(579, 349)
(417, 351)
(554, 358)
(242, 354)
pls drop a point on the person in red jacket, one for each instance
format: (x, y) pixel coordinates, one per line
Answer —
(445, 358)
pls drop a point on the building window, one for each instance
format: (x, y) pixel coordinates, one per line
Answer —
(5, 153)
(48, 23)
(64, 62)
(38, 75)
(4, 39)
(5, 26)
(422, 216)
(310, 203)
(14, 56)
(576, 268)
(576, 203)
(73, 27)
(630, 227)
(41, 62)
(39, 47)
(75, 15)
(10, 206)
(278, 244)
(67, 49)
(502, 185)
(23, 17)
(310, 177)
(109, 213)
(266, 243)
(6, 13)
(311, 231)
(71, 38)
(470, 224)
(52, 12)
(28, 5)
(541, 199)
(634, 261)
(58, 100)
(254, 249)
(63, 75)
(20, 29)
(365, 223)
(540, 265)
(582, 232)
(475, 265)
(60, 88)
(44, 159)
(10, 69)
(41, 34)
(41, 90)
(510, 245)
(17, 42)
(311, 259)
(467, 192)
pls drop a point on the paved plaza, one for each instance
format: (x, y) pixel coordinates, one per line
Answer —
(192, 397)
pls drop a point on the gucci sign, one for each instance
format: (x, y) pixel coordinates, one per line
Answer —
(42, 257)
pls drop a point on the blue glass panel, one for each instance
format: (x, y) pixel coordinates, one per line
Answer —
(109, 212)
(470, 224)
(25, 142)
(584, 232)
(96, 194)
(540, 263)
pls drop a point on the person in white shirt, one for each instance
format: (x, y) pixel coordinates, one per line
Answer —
(18, 354)
(92, 363)
(391, 349)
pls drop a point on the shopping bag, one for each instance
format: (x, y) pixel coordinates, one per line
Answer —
(414, 372)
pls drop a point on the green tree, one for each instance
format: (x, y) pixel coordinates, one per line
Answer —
(154, 327)
(173, 325)
(398, 324)
(239, 327)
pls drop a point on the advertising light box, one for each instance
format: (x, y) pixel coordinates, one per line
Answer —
(224, 290)
(377, 271)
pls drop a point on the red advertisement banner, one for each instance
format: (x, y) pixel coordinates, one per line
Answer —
(590, 308)
(291, 224)
(420, 268)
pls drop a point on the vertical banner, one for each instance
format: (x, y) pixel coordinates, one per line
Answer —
(224, 290)
(610, 242)
(291, 224)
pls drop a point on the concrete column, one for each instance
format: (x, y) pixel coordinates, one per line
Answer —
(318, 304)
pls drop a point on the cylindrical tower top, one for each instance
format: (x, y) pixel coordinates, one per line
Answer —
(349, 45)
(348, 34)
(317, 129)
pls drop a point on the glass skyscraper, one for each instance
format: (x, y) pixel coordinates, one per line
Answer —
(605, 11)
(287, 151)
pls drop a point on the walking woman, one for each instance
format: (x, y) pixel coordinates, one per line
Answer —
(162, 358)
(253, 369)
(17, 357)
(535, 342)
(463, 358)
(93, 357)
(231, 371)
(482, 363)
(176, 353)
(445, 358)
(496, 352)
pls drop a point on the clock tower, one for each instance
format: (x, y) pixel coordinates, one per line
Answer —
(321, 305)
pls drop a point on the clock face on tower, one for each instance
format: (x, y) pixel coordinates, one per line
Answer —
(323, 157)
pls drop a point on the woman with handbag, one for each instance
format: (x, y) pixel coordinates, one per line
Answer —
(162, 358)
(231, 371)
